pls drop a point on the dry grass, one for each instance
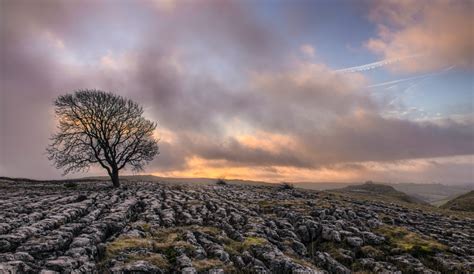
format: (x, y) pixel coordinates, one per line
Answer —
(146, 227)
(301, 261)
(206, 264)
(210, 230)
(372, 252)
(127, 243)
(165, 239)
(123, 244)
(409, 241)
(464, 202)
(234, 247)
(159, 245)
(297, 205)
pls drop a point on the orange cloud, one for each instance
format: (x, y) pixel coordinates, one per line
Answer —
(425, 170)
(197, 167)
(267, 141)
(439, 33)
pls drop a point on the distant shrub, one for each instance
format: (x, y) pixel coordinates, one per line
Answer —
(286, 186)
(221, 182)
(70, 185)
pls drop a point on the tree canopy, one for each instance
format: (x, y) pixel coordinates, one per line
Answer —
(97, 127)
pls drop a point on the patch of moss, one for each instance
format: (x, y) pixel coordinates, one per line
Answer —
(408, 241)
(162, 246)
(250, 241)
(266, 206)
(300, 205)
(177, 232)
(166, 240)
(166, 234)
(146, 227)
(170, 254)
(234, 247)
(127, 243)
(371, 252)
(231, 247)
(210, 230)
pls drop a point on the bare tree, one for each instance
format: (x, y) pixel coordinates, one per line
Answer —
(97, 127)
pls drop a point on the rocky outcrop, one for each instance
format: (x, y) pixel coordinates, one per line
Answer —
(157, 228)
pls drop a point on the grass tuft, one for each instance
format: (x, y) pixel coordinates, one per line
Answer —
(127, 243)
(234, 247)
(206, 264)
(410, 241)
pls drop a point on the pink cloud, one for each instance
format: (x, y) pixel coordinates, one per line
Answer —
(439, 32)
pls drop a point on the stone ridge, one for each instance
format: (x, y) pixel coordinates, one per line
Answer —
(159, 228)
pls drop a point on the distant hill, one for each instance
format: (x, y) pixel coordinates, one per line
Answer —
(321, 185)
(435, 194)
(142, 178)
(171, 180)
(381, 191)
(464, 202)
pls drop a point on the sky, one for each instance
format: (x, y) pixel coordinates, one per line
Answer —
(273, 90)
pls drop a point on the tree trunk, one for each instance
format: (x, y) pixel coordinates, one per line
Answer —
(115, 178)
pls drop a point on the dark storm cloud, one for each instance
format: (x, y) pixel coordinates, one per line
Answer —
(370, 137)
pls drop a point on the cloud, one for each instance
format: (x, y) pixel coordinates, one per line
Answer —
(446, 170)
(368, 136)
(309, 117)
(54, 35)
(35, 39)
(308, 50)
(225, 29)
(227, 98)
(442, 31)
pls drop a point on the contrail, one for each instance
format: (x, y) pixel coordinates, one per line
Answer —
(394, 82)
(389, 83)
(375, 65)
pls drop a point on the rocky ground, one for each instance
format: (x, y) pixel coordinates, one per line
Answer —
(159, 228)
